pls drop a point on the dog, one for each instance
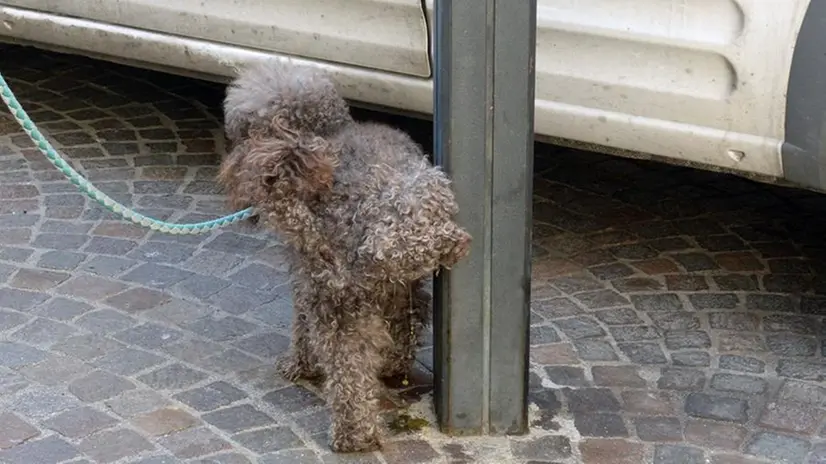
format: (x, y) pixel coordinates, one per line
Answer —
(366, 219)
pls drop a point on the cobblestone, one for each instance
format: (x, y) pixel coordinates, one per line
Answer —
(805, 393)
(691, 359)
(44, 332)
(238, 418)
(194, 443)
(18, 355)
(643, 353)
(661, 331)
(80, 422)
(104, 321)
(722, 408)
(134, 402)
(676, 454)
(567, 375)
(112, 445)
(211, 396)
(60, 260)
(715, 434)
(778, 448)
(165, 421)
(49, 450)
(99, 385)
(792, 417)
(742, 364)
(542, 448)
(172, 377)
(611, 451)
(269, 440)
(15, 430)
(580, 327)
(681, 379)
(659, 429)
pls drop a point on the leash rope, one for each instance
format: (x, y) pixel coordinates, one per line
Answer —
(92, 192)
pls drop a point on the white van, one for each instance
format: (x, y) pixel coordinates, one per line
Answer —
(735, 85)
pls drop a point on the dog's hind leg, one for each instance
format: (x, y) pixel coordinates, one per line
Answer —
(300, 362)
(350, 353)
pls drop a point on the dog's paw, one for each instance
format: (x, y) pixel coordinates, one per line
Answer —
(355, 444)
(293, 370)
(398, 369)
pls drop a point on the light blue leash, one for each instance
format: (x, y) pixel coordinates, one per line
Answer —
(84, 186)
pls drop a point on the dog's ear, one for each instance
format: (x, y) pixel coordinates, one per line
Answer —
(264, 169)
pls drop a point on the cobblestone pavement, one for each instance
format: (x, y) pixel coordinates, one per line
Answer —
(678, 316)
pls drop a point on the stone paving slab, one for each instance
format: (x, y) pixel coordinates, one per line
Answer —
(678, 316)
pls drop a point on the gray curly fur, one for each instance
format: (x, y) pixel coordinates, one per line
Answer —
(367, 220)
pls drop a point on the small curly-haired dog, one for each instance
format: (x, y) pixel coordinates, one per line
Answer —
(366, 218)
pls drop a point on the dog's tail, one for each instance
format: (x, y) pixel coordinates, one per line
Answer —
(297, 97)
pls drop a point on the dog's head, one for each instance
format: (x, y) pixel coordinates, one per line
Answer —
(420, 234)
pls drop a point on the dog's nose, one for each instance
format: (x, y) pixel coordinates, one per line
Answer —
(463, 245)
(461, 248)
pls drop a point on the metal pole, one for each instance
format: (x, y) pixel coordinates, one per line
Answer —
(483, 109)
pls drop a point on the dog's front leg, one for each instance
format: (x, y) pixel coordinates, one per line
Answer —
(299, 362)
(350, 353)
(406, 320)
